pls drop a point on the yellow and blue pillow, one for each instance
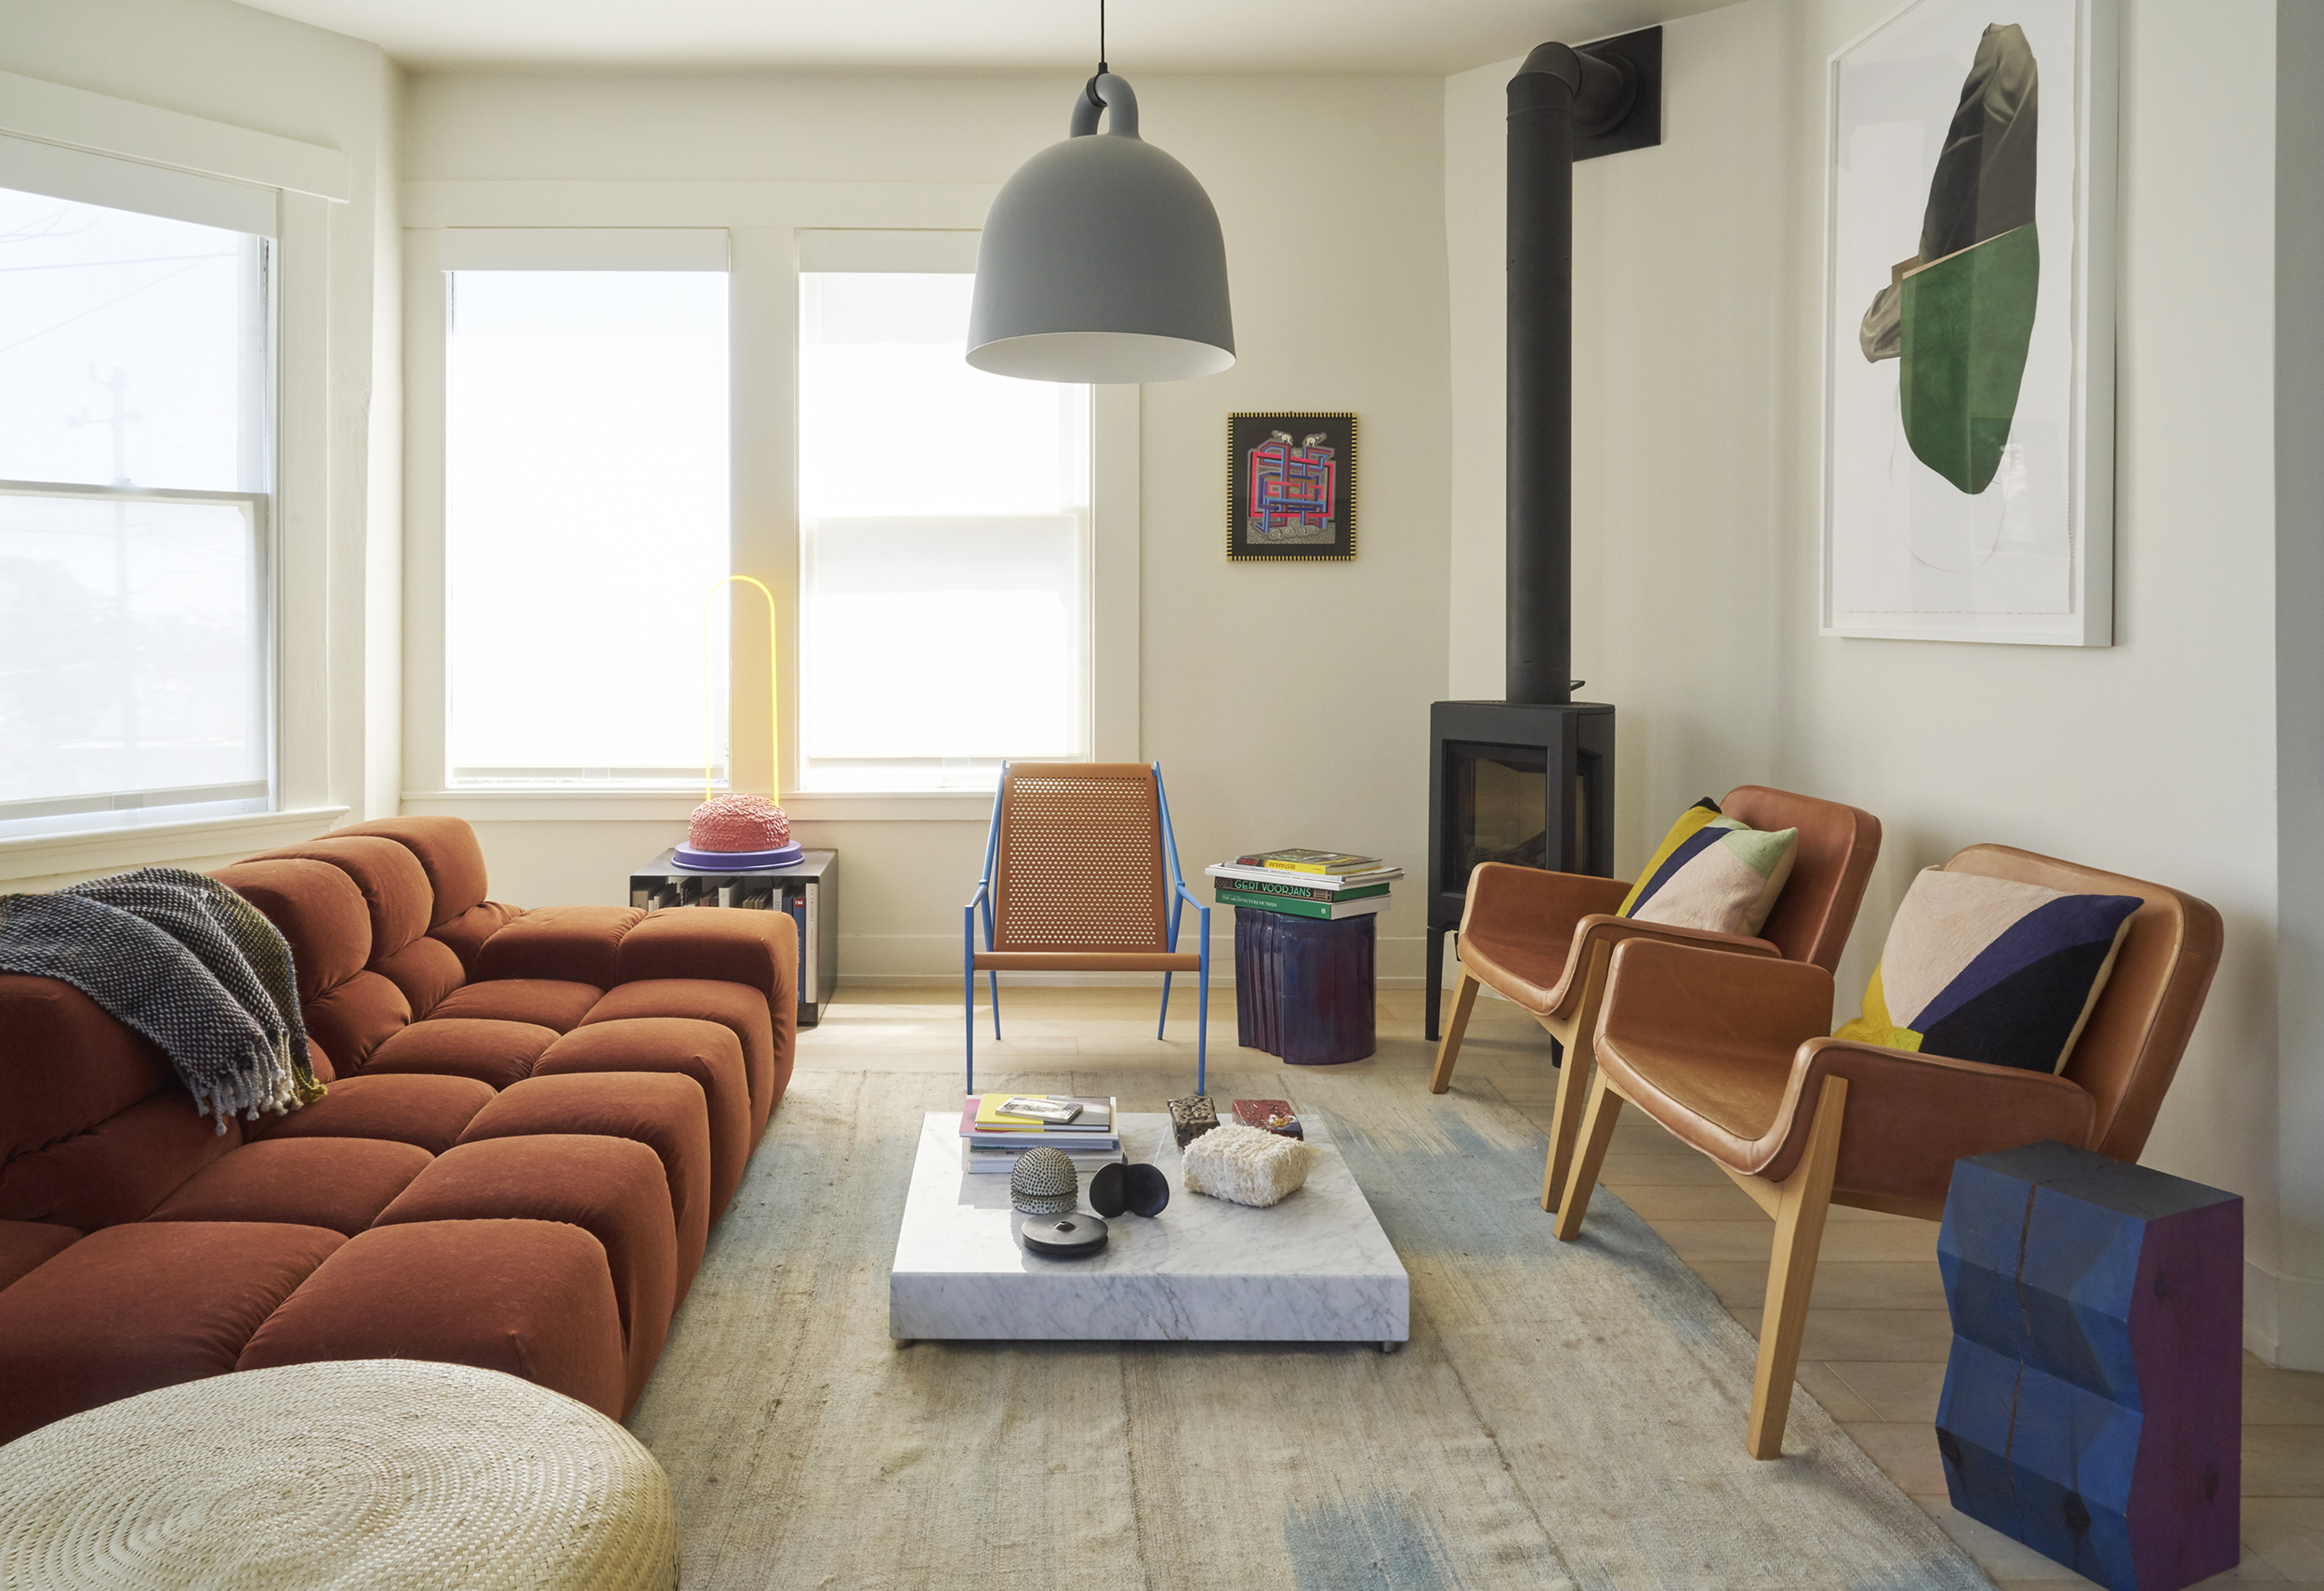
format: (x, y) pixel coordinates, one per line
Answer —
(1990, 969)
(1714, 872)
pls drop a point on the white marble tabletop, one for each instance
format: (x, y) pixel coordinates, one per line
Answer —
(1315, 1267)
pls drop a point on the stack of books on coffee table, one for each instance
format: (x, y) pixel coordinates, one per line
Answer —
(1328, 885)
(995, 1128)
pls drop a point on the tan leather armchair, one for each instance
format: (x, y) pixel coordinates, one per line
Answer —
(1544, 940)
(1730, 1056)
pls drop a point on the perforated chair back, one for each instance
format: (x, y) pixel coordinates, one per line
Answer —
(1079, 859)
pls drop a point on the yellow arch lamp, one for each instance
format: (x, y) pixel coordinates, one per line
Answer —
(735, 833)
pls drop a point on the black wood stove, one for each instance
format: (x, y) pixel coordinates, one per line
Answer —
(1529, 780)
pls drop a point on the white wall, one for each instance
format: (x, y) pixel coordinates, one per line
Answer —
(248, 69)
(1679, 261)
(1696, 385)
(2299, 671)
(1285, 703)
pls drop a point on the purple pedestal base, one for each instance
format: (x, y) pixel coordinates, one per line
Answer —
(2093, 1405)
(738, 860)
(1303, 988)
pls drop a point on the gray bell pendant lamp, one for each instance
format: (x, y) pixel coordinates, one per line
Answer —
(1102, 259)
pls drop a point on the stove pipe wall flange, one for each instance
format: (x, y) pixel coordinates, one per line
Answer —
(1564, 104)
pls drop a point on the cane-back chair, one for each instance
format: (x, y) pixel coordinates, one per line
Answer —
(1729, 1056)
(1081, 874)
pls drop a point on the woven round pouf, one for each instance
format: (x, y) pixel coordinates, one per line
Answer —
(374, 1473)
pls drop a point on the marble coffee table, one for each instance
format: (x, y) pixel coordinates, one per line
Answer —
(1315, 1267)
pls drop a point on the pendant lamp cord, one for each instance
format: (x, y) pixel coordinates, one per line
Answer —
(1101, 37)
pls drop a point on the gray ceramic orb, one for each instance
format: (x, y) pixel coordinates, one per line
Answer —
(1044, 1183)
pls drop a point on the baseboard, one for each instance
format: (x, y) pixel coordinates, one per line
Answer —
(2299, 1323)
(2283, 1318)
(874, 961)
(2262, 1297)
(1218, 979)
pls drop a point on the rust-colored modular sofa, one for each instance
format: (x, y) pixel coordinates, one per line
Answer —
(534, 1118)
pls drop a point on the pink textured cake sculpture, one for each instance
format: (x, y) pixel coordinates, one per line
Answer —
(734, 832)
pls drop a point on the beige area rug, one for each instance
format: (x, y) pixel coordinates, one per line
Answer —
(1565, 1415)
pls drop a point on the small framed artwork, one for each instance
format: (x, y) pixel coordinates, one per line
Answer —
(1291, 486)
(1969, 325)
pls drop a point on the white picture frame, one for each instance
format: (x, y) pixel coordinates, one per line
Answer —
(1906, 552)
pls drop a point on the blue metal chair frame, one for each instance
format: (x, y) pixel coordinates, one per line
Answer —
(1180, 898)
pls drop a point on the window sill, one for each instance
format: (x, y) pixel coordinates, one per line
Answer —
(35, 856)
(653, 805)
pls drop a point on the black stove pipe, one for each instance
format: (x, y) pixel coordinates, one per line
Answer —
(1554, 91)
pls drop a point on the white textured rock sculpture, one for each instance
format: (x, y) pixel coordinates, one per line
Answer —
(1245, 1165)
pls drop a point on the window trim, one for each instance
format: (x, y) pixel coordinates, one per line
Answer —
(762, 221)
(34, 159)
(311, 682)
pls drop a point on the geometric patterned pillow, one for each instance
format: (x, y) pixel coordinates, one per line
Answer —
(1713, 873)
(1990, 969)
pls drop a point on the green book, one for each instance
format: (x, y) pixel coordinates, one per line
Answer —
(1299, 892)
(1325, 909)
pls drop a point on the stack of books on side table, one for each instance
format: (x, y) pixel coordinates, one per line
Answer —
(1326, 884)
(995, 1128)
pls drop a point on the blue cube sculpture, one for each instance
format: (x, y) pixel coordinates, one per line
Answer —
(2092, 1403)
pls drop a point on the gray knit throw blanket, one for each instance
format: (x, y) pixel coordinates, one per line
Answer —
(189, 963)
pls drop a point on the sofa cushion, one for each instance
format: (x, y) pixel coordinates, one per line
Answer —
(529, 1298)
(44, 1096)
(319, 909)
(659, 1110)
(339, 1183)
(356, 1019)
(119, 1169)
(497, 1053)
(577, 944)
(612, 1188)
(395, 889)
(757, 948)
(738, 1008)
(447, 852)
(134, 1308)
(545, 1001)
(411, 1108)
(465, 935)
(426, 970)
(706, 1052)
(26, 1245)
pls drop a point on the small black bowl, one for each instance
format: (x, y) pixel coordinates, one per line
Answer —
(1141, 1190)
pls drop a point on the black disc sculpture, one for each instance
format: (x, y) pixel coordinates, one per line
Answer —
(1140, 1190)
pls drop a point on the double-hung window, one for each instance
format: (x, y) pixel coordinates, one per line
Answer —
(585, 516)
(945, 530)
(137, 366)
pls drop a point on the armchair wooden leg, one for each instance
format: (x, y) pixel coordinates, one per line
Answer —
(1597, 1132)
(1575, 1074)
(1464, 998)
(1804, 1197)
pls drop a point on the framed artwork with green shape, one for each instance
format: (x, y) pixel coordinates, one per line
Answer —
(1968, 423)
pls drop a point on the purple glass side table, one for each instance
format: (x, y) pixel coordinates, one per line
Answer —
(1303, 988)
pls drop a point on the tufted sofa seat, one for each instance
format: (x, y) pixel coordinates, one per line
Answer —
(534, 1117)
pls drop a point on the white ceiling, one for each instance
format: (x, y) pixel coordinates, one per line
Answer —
(1419, 36)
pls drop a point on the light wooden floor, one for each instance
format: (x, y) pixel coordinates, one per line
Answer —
(1876, 1336)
